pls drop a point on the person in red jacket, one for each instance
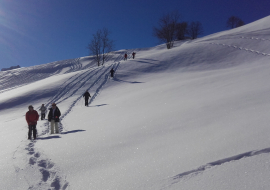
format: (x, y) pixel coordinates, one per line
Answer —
(32, 117)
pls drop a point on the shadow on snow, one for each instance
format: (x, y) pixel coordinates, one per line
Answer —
(99, 105)
(132, 82)
(55, 136)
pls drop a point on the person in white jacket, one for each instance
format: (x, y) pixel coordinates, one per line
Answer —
(43, 111)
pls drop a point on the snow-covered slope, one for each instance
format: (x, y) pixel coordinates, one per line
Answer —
(193, 117)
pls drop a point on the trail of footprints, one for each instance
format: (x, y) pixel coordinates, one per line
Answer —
(254, 38)
(39, 171)
(241, 48)
(246, 49)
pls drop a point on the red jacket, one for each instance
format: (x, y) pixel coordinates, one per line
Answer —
(31, 117)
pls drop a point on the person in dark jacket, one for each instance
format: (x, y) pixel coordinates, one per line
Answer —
(86, 96)
(53, 117)
(112, 72)
(133, 55)
(125, 57)
(32, 117)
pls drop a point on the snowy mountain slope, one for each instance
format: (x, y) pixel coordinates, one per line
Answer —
(193, 117)
(18, 77)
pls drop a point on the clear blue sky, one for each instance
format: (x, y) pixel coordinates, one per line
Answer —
(34, 32)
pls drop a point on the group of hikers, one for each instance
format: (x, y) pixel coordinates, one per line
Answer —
(125, 58)
(32, 117)
(112, 71)
(133, 55)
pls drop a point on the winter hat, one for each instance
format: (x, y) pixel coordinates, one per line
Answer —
(30, 106)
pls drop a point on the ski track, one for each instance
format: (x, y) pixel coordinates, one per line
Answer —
(15, 78)
(103, 75)
(29, 161)
(23, 76)
(68, 85)
(115, 66)
(192, 173)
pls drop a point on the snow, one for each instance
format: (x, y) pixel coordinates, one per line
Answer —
(193, 117)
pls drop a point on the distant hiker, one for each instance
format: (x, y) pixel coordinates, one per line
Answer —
(125, 58)
(133, 55)
(53, 117)
(112, 72)
(32, 117)
(86, 96)
(43, 111)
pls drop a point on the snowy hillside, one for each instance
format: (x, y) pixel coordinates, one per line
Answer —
(195, 117)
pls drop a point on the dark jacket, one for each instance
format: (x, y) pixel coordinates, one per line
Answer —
(56, 116)
(86, 95)
(112, 72)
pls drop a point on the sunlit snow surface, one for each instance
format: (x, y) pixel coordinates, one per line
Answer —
(192, 117)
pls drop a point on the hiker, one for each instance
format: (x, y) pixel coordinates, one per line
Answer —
(125, 58)
(43, 111)
(112, 72)
(86, 96)
(32, 117)
(53, 117)
(133, 55)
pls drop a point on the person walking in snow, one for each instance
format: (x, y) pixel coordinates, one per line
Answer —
(112, 72)
(125, 58)
(43, 111)
(133, 55)
(86, 96)
(53, 117)
(31, 118)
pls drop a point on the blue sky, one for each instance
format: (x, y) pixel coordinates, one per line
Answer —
(34, 32)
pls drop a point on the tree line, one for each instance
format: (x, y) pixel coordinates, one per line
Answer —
(234, 22)
(168, 31)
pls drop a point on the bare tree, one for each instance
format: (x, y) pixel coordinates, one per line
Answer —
(181, 30)
(195, 29)
(166, 31)
(101, 45)
(95, 46)
(234, 22)
(107, 44)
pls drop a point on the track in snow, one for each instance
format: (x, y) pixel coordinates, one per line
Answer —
(31, 164)
(177, 178)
